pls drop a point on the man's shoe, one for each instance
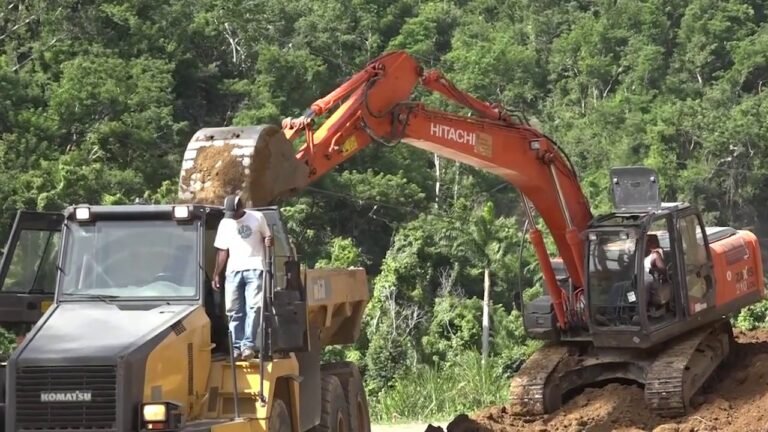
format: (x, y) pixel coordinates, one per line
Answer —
(237, 354)
(248, 354)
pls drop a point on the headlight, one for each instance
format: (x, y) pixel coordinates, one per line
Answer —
(160, 416)
(154, 413)
(181, 212)
(82, 213)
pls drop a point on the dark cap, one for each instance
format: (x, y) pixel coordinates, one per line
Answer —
(232, 203)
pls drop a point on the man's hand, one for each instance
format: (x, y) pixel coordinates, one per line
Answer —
(216, 282)
(268, 241)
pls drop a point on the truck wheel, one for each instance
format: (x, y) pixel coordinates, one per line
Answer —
(358, 403)
(280, 418)
(352, 381)
(334, 414)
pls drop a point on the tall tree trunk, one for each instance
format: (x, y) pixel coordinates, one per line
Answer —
(486, 311)
(437, 180)
(456, 183)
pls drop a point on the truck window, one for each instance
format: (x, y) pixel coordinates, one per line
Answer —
(33, 263)
(131, 259)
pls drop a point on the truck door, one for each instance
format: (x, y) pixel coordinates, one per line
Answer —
(289, 300)
(28, 269)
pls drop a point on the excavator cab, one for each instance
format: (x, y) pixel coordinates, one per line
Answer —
(658, 284)
(649, 270)
(648, 265)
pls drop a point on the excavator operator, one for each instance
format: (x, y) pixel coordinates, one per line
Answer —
(656, 276)
(240, 240)
(654, 259)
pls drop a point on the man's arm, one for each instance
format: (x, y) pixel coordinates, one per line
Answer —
(221, 263)
(264, 230)
(222, 255)
(658, 262)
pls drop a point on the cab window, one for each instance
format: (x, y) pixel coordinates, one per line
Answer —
(33, 264)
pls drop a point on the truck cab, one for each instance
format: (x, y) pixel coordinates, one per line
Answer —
(126, 279)
(136, 338)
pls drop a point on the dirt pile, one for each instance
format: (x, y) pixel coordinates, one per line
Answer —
(216, 173)
(736, 399)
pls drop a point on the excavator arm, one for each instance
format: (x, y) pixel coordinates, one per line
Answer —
(376, 106)
(665, 335)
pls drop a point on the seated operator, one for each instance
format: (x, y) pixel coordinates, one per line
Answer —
(653, 262)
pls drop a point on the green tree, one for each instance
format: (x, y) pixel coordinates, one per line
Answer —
(486, 239)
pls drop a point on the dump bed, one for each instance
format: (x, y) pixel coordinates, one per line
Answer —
(336, 301)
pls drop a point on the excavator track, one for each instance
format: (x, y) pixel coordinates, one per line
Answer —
(678, 372)
(530, 391)
(671, 376)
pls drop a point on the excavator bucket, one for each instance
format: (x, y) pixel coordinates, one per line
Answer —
(258, 162)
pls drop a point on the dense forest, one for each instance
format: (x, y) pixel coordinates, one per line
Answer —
(99, 98)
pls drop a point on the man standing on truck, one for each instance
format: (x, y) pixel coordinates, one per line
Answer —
(240, 240)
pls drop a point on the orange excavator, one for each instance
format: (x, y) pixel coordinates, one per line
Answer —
(642, 293)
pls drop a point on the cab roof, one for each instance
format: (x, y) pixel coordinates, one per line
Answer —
(152, 211)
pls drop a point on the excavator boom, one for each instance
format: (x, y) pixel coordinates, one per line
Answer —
(604, 315)
(375, 106)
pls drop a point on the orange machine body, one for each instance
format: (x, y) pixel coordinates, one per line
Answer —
(375, 105)
(738, 268)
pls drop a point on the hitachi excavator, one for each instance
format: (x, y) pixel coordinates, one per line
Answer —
(606, 313)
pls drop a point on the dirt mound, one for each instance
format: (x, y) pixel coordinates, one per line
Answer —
(736, 399)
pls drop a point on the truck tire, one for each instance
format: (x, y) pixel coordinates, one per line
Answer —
(358, 404)
(352, 381)
(280, 418)
(334, 412)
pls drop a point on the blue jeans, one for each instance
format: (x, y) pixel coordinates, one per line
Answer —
(243, 296)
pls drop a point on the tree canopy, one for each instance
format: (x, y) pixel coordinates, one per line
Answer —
(101, 96)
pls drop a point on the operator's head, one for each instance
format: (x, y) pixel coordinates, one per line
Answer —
(652, 241)
(233, 207)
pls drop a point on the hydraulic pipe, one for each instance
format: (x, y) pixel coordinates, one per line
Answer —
(549, 275)
(234, 367)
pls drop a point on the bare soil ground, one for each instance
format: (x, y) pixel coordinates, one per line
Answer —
(410, 427)
(736, 399)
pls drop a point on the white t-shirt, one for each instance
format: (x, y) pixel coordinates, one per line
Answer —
(244, 238)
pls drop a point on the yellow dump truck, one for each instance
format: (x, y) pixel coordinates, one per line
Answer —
(136, 339)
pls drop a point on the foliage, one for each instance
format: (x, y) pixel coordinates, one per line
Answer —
(343, 254)
(753, 316)
(100, 98)
(7, 344)
(459, 385)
